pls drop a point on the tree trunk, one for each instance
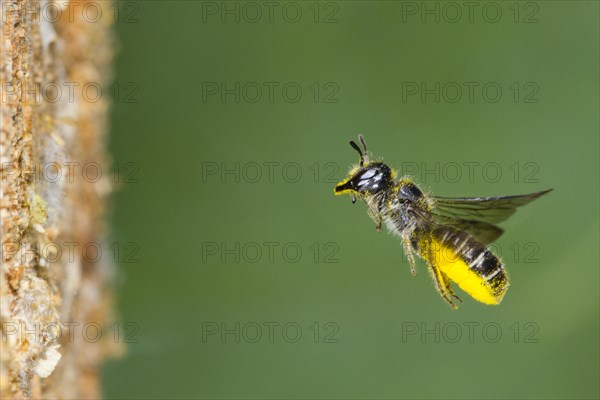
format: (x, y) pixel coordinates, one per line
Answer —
(55, 293)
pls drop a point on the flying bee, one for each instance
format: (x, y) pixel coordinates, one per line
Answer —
(450, 234)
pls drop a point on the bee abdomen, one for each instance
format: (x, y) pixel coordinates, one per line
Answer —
(479, 259)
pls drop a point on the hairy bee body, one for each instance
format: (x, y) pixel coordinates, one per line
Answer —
(450, 234)
(457, 256)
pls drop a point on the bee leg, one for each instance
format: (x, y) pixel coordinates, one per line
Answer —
(442, 284)
(448, 285)
(410, 254)
(375, 216)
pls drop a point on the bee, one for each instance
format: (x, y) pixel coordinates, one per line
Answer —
(450, 234)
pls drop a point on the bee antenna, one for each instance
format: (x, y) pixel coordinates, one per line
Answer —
(355, 147)
(361, 139)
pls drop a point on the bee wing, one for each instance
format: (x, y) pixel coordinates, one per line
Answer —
(484, 209)
(484, 232)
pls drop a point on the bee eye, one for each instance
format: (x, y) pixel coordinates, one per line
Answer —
(368, 174)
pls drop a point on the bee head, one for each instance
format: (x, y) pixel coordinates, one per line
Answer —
(367, 178)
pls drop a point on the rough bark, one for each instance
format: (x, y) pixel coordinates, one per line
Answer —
(49, 288)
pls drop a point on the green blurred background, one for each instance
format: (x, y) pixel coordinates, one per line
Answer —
(362, 315)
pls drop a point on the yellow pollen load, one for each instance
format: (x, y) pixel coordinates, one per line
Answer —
(452, 265)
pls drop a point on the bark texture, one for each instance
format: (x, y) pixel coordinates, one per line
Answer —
(50, 290)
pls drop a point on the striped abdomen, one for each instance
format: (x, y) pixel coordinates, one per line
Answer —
(474, 268)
